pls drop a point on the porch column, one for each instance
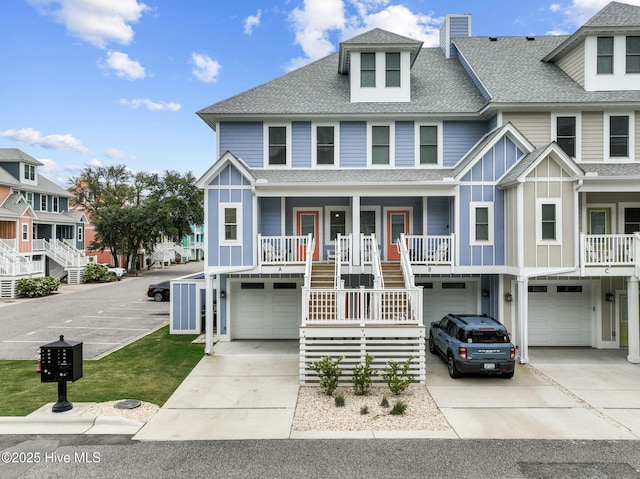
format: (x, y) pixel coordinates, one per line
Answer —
(355, 228)
(634, 320)
(523, 318)
(210, 284)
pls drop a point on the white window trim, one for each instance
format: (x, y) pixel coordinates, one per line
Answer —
(554, 130)
(336, 145)
(472, 222)
(416, 136)
(266, 144)
(23, 169)
(28, 196)
(327, 222)
(44, 198)
(392, 144)
(548, 201)
(223, 240)
(632, 143)
(25, 232)
(55, 204)
(378, 220)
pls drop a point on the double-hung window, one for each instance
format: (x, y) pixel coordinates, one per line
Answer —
(619, 136)
(549, 221)
(29, 172)
(368, 69)
(277, 145)
(25, 232)
(55, 204)
(428, 144)
(325, 145)
(566, 133)
(482, 223)
(381, 144)
(43, 202)
(392, 72)
(231, 227)
(631, 220)
(633, 55)
(337, 224)
(605, 56)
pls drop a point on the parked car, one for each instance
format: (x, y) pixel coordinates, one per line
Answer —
(119, 272)
(160, 291)
(473, 344)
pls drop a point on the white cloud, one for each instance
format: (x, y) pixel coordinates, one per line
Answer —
(314, 22)
(205, 69)
(29, 136)
(94, 162)
(252, 21)
(116, 154)
(98, 22)
(123, 66)
(151, 105)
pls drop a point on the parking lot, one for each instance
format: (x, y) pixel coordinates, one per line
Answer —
(104, 316)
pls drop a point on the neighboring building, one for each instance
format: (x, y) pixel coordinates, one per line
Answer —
(39, 236)
(361, 197)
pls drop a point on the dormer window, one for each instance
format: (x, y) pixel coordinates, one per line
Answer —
(29, 172)
(605, 56)
(368, 70)
(392, 69)
(633, 54)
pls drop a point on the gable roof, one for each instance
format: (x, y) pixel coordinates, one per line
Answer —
(376, 38)
(614, 17)
(15, 205)
(528, 162)
(225, 159)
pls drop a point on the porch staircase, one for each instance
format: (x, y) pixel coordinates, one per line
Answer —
(72, 261)
(392, 275)
(322, 275)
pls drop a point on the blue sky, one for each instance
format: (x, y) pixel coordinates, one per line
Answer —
(104, 82)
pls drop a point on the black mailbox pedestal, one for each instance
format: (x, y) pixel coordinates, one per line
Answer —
(61, 361)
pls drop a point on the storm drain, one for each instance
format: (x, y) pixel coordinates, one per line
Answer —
(578, 470)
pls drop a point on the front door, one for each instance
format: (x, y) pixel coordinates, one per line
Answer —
(397, 223)
(308, 222)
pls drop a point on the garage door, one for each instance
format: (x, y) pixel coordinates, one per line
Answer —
(559, 315)
(265, 310)
(441, 298)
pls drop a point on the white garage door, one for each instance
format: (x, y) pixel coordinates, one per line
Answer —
(265, 310)
(559, 315)
(441, 298)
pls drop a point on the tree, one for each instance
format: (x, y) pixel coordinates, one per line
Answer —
(132, 211)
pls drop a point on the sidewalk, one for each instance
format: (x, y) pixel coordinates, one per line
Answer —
(248, 390)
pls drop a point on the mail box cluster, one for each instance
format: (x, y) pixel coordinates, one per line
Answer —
(61, 361)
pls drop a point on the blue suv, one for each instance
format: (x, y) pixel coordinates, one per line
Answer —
(473, 344)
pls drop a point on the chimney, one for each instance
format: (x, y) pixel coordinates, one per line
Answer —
(454, 25)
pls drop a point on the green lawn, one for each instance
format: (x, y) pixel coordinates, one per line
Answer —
(149, 370)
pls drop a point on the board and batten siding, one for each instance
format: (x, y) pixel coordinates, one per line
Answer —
(592, 136)
(573, 64)
(512, 242)
(549, 181)
(244, 140)
(230, 186)
(536, 127)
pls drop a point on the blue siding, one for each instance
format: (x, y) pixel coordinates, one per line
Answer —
(301, 144)
(464, 233)
(183, 301)
(459, 137)
(244, 140)
(270, 217)
(405, 149)
(213, 232)
(438, 219)
(353, 144)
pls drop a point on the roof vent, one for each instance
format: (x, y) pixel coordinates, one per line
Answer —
(493, 39)
(530, 39)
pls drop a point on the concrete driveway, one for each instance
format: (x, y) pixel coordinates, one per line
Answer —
(248, 390)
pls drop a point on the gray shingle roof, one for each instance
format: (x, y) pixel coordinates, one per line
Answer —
(14, 154)
(438, 86)
(351, 176)
(512, 71)
(612, 169)
(615, 14)
(14, 205)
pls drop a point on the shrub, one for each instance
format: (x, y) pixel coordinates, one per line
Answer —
(384, 402)
(364, 410)
(36, 287)
(329, 372)
(396, 377)
(398, 409)
(95, 272)
(362, 374)
(339, 400)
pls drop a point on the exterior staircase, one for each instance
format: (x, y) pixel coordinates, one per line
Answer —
(323, 275)
(392, 275)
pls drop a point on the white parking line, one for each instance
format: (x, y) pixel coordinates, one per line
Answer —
(111, 317)
(32, 332)
(94, 328)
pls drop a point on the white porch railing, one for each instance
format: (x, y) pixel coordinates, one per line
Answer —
(311, 246)
(61, 252)
(362, 306)
(405, 262)
(11, 243)
(610, 250)
(283, 249)
(432, 250)
(13, 263)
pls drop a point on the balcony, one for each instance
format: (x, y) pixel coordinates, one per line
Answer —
(616, 255)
